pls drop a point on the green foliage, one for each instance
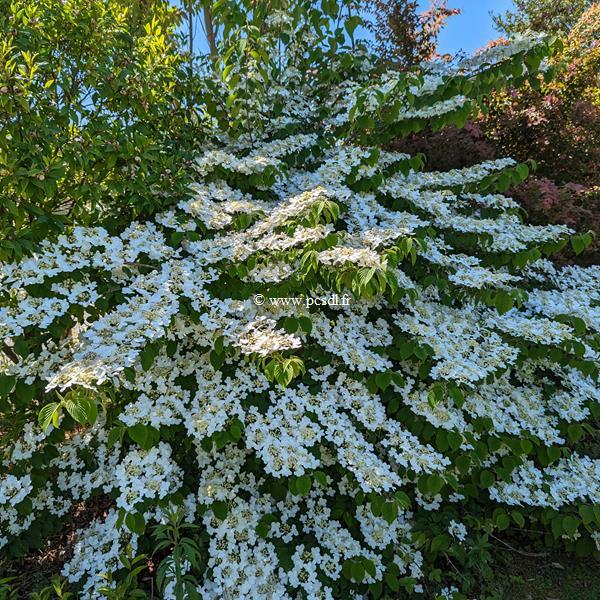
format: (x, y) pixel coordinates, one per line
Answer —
(518, 121)
(552, 16)
(127, 585)
(79, 405)
(56, 590)
(184, 550)
(98, 115)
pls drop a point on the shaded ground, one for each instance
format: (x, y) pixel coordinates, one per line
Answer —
(516, 577)
(34, 571)
(553, 578)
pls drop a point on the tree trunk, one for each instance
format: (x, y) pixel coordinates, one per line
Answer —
(190, 9)
(210, 32)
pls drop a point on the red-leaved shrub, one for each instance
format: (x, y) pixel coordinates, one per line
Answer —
(573, 204)
(469, 147)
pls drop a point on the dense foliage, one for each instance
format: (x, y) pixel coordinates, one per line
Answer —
(553, 16)
(324, 373)
(557, 122)
(97, 107)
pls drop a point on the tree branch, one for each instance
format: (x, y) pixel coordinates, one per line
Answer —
(521, 552)
(8, 351)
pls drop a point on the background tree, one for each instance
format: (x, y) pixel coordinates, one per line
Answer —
(557, 123)
(553, 16)
(404, 35)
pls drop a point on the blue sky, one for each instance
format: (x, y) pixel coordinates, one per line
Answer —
(468, 31)
(471, 29)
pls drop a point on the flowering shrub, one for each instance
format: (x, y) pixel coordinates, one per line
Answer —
(333, 453)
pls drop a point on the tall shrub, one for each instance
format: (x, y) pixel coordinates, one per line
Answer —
(325, 373)
(402, 33)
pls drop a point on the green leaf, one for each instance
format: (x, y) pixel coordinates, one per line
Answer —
(523, 171)
(486, 479)
(92, 410)
(574, 431)
(570, 525)
(305, 324)
(216, 359)
(262, 529)
(504, 302)
(147, 357)
(115, 435)
(351, 23)
(389, 512)
(235, 431)
(347, 569)
(518, 518)
(24, 392)
(369, 566)
(383, 380)
(291, 324)
(402, 499)
(303, 484)
(76, 408)
(526, 446)
(440, 542)
(457, 396)
(553, 454)
(502, 521)
(7, 384)
(320, 478)
(49, 414)
(587, 514)
(135, 522)
(220, 509)
(358, 571)
(435, 483)
(580, 242)
(21, 347)
(454, 440)
(144, 435)
(392, 582)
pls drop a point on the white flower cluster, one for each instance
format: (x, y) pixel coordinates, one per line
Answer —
(457, 530)
(14, 489)
(96, 554)
(361, 257)
(284, 435)
(145, 475)
(574, 478)
(519, 42)
(261, 337)
(350, 338)
(464, 351)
